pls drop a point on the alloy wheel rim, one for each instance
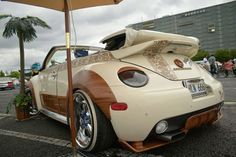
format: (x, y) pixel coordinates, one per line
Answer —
(84, 125)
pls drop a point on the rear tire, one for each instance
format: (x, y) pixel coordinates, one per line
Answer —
(93, 130)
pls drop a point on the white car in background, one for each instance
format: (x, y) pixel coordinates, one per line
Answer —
(6, 83)
(142, 89)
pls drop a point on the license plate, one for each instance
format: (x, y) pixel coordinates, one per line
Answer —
(197, 87)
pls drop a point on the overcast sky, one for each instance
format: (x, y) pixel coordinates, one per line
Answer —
(91, 25)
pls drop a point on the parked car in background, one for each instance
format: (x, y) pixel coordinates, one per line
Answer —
(6, 83)
(142, 89)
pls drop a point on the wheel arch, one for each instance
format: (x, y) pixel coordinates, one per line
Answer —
(97, 88)
(30, 88)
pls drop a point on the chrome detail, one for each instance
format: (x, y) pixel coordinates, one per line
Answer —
(161, 127)
(55, 116)
(84, 126)
(172, 136)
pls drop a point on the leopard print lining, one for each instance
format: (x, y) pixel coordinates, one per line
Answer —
(157, 61)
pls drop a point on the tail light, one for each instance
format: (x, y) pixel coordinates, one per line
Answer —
(10, 84)
(133, 78)
(119, 106)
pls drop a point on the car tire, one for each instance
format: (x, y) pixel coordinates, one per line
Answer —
(93, 130)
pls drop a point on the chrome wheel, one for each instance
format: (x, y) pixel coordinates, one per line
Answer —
(84, 124)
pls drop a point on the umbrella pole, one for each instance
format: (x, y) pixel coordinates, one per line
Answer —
(69, 72)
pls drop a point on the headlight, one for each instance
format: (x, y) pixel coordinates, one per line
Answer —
(133, 78)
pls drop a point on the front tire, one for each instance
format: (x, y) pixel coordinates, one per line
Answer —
(93, 130)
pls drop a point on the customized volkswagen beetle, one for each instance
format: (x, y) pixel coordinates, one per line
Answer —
(142, 90)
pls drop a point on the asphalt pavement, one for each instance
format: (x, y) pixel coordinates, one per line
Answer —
(42, 136)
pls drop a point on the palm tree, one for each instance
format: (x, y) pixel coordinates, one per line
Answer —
(25, 31)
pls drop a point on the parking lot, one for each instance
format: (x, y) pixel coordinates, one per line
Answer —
(42, 136)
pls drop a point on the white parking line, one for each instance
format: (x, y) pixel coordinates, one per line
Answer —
(230, 103)
(2, 115)
(49, 140)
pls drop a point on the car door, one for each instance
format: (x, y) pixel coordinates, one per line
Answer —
(48, 80)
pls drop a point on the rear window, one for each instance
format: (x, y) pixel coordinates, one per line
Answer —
(115, 43)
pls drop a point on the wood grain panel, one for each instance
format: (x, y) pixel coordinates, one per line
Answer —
(97, 88)
(127, 69)
(50, 102)
(62, 101)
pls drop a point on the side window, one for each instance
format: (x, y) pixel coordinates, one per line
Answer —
(58, 57)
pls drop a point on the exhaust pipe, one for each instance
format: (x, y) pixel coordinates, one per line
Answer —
(172, 136)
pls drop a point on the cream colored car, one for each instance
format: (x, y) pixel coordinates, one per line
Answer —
(142, 90)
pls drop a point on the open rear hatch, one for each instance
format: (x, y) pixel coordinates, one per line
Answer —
(163, 53)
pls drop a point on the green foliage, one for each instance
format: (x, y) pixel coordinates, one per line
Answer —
(223, 55)
(200, 55)
(24, 25)
(2, 74)
(233, 53)
(15, 74)
(25, 31)
(20, 100)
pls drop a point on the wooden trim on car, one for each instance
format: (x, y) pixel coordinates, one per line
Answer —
(127, 69)
(50, 102)
(97, 88)
(62, 101)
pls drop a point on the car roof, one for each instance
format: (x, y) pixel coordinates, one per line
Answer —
(5, 79)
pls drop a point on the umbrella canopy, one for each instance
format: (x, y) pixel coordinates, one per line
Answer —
(60, 4)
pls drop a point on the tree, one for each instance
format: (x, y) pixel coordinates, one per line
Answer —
(15, 74)
(223, 55)
(200, 55)
(2, 74)
(233, 53)
(25, 31)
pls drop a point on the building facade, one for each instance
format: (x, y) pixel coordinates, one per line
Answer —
(214, 26)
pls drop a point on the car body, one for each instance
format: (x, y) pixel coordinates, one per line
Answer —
(205, 65)
(6, 83)
(142, 88)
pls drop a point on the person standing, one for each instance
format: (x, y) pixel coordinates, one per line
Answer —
(234, 66)
(206, 64)
(212, 62)
(228, 66)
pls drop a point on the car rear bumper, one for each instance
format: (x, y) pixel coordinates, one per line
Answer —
(3, 86)
(147, 107)
(191, 120)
